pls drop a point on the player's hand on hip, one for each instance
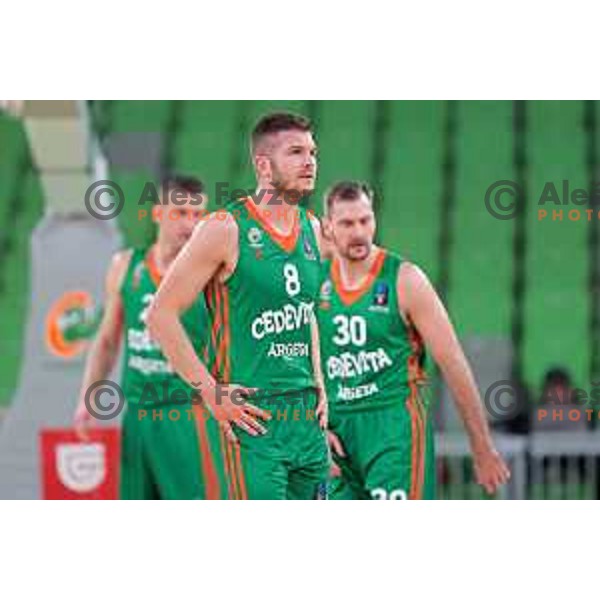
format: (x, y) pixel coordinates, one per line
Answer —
(491, 471)
(337, 449)
(230, 406)
(322, 410)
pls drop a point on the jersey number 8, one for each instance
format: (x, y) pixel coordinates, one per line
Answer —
(292, 280)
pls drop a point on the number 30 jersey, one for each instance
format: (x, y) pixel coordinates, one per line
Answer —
(260, 332)
(370, 356)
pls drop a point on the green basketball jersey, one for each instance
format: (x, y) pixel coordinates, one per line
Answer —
(143, 361)
(370, 357)
(260, 316)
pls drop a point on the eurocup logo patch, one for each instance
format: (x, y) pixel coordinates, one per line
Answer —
(381, 296)
(326, 290)
(308, 249)
(81, 467)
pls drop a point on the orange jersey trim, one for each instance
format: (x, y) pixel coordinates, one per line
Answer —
(287, 241)
(349, 296)
(211, 479)
(153, 267)
(417, 419)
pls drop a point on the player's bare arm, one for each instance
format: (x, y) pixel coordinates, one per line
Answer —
(211, 252)
(321, 411)
(420, 304)
(105, 347)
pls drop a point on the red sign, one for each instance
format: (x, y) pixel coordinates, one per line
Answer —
(76, 470)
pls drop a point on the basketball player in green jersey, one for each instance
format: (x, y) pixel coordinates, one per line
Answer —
(377, 313)
(161, 453)
(259, 267)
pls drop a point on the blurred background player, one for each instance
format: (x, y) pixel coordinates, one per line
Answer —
(160, 456)
(260, 269)
(376, 315)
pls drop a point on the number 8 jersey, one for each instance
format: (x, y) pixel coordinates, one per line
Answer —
(370, 357)
(260, 334)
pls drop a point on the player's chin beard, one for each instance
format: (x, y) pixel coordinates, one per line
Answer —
(291, 195)
(352, 256)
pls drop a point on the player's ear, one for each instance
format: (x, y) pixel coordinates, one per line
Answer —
(326, 229)
(262, 164)
(157, 213)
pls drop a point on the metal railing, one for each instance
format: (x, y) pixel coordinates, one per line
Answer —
(544, 466)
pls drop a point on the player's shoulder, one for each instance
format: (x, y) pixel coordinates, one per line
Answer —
(392, 255)
(215, 236)
(410, 275)
(121, 259)
(403, 266)
(119, 265)
(233, 204)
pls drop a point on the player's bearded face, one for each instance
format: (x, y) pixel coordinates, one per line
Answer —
(293, 163)
(353, 228)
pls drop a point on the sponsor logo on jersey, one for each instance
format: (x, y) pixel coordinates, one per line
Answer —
(326, 290)
(255, 237)
(381, 297)
(287, 351)
(356, 393)
(308, 249)
(350, 364)
(71, 323)
(289, 318)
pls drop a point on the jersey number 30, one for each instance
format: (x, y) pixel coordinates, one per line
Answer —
(350, 329)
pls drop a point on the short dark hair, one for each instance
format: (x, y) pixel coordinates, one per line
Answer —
(178, 181)
(347, 191)
(557, 376)
(276, 122)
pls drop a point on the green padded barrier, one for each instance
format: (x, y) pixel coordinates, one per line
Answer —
(14, 271)
(556, 297)
(481, 260)
(138, 229)
(139, 115)
(409, 214)
(205, 142)
(345, 140)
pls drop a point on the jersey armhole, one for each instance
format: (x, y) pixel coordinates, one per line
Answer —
(131, 254)
(238, 253)
(403, 316)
